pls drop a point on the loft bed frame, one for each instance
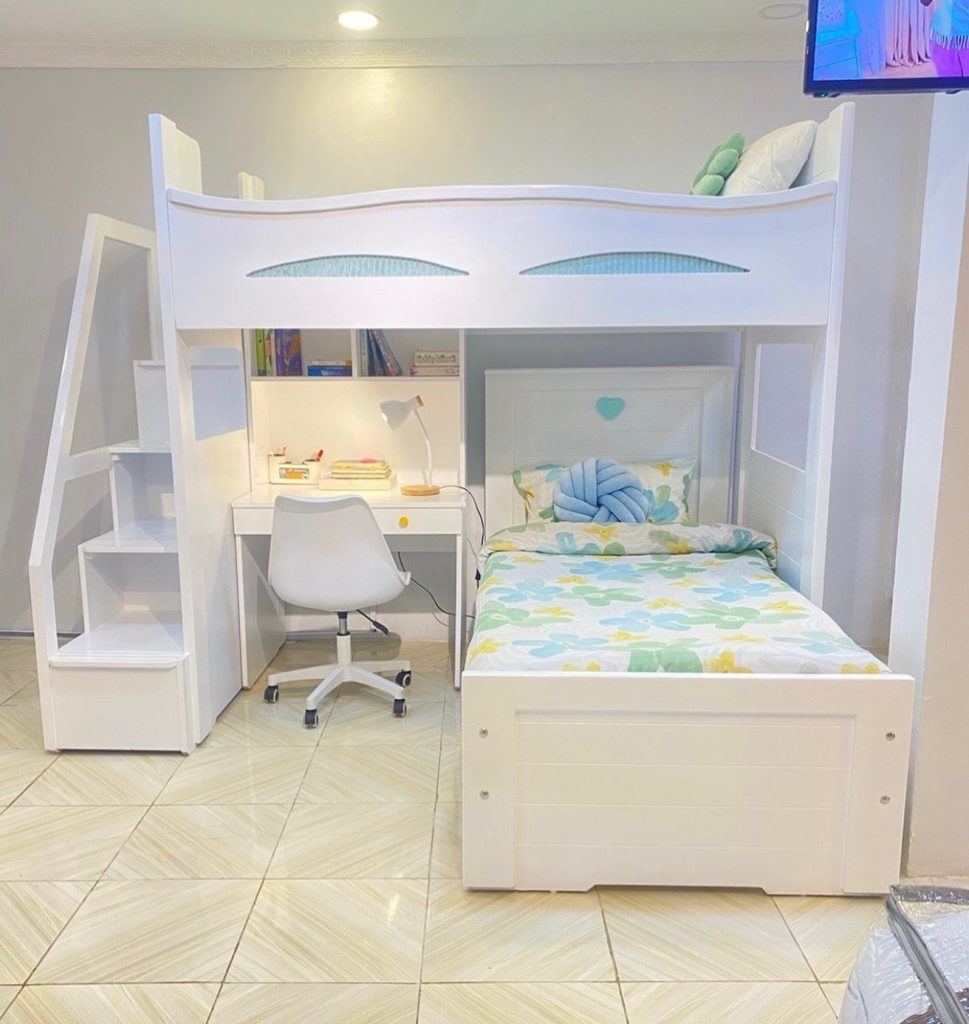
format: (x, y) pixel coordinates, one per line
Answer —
(546, 259)
(513, 259)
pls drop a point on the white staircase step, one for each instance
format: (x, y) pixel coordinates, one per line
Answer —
(134, 447)
(146, 536)
(137, 638)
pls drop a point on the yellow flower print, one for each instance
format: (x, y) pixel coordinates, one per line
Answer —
(571, 579)
(592, 666)
(603, 532)
(493, 581)
(683, 583)
(742, 638)
(527, 560)
(556, 613)
(783, 606)
(622, 635)
(679, 547)
(868, 669)
(502, 545)
(487, 646)
(665, 602)
(664, 467)
(723, 663)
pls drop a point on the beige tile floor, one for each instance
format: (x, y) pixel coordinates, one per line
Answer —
(286, 876)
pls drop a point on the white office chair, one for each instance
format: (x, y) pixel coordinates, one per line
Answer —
(329, 554)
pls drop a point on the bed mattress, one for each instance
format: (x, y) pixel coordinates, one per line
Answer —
(618, 598)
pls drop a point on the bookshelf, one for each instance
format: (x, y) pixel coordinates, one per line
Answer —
(340, 344)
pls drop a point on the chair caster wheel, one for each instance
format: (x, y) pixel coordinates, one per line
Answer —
(311, 718)
(271, 695)
(400, 707)
(403, 677)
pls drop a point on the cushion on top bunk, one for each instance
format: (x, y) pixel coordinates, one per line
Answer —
(720, 164)
(772, 163)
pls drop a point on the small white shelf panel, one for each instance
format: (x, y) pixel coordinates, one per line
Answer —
(147, 536)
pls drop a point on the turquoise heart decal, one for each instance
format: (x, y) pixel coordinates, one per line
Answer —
(610, 408)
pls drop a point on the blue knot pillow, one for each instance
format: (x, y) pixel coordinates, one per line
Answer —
(599, 491)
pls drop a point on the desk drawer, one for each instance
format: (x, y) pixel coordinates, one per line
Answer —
(392, 521)
(418, 520)
(254, 520)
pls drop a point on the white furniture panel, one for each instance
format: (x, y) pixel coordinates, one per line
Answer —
(791, 784)
(538, 416)
(151, 399)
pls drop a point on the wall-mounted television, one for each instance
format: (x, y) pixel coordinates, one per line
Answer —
(887, 46)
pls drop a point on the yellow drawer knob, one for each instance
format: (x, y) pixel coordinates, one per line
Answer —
(403, 522)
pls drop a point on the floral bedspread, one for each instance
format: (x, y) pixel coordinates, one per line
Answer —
(644, 598)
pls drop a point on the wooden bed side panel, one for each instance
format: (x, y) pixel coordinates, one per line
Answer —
(777, 255)
(794, 784)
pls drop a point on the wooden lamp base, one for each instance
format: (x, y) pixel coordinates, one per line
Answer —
(420, 490)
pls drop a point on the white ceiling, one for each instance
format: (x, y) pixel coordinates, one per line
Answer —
(259, 32)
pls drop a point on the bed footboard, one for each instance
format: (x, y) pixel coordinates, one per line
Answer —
(791, 784)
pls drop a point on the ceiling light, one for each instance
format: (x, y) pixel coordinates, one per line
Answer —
(358, 21)
(780, 12)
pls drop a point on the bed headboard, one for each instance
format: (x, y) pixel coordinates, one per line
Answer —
(538, 416)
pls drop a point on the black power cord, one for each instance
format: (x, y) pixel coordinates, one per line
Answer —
(373, 622)
(417, 582)
(474, 501)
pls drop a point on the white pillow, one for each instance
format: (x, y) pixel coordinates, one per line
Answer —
(772, 162)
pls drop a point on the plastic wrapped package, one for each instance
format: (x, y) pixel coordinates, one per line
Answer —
(916, 971)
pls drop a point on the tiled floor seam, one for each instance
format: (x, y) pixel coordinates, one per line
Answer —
(262, 882)
(86, 896)
(800, 949)
(430, 868)
(612, 955)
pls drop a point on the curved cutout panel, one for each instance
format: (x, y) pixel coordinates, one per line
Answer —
(614, 263)
(359, 266)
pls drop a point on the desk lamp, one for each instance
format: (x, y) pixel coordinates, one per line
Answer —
(395, 415)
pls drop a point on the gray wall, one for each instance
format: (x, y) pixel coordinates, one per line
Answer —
(76, 141)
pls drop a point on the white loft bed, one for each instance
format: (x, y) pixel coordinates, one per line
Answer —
(823, 813)
(790, 783)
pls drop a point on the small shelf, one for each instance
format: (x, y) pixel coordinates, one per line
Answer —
(134, 638)
(137, 448)
(315, 380)
(146, 536)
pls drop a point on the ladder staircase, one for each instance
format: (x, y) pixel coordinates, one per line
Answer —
(123, 683)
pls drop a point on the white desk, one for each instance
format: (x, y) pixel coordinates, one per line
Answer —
(260, 613)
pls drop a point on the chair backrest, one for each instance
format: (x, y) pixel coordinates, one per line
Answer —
(329, 554)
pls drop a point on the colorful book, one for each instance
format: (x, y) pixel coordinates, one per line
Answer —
(388, 360)
(270, 354)
(288, 352)
(260, 353)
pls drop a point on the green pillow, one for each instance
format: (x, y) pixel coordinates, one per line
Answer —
(719, 166)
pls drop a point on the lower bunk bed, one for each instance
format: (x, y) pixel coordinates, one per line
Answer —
(649, 705)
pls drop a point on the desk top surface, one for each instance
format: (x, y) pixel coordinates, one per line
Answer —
(264, 495)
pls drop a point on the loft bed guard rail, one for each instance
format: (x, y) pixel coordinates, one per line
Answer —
(507, 256)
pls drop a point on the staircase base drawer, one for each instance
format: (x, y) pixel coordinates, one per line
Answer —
(122, 708)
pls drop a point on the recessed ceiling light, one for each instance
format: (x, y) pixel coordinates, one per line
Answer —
(358, 21)
(779, 12)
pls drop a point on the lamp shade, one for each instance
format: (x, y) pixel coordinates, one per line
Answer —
(395, 413)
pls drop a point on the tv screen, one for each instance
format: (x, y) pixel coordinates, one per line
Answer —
(887, 46)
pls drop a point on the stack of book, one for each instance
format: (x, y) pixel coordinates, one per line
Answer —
(376, 356)
(435, 364)
(278, 353)
(359, 475)
(329, 368)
